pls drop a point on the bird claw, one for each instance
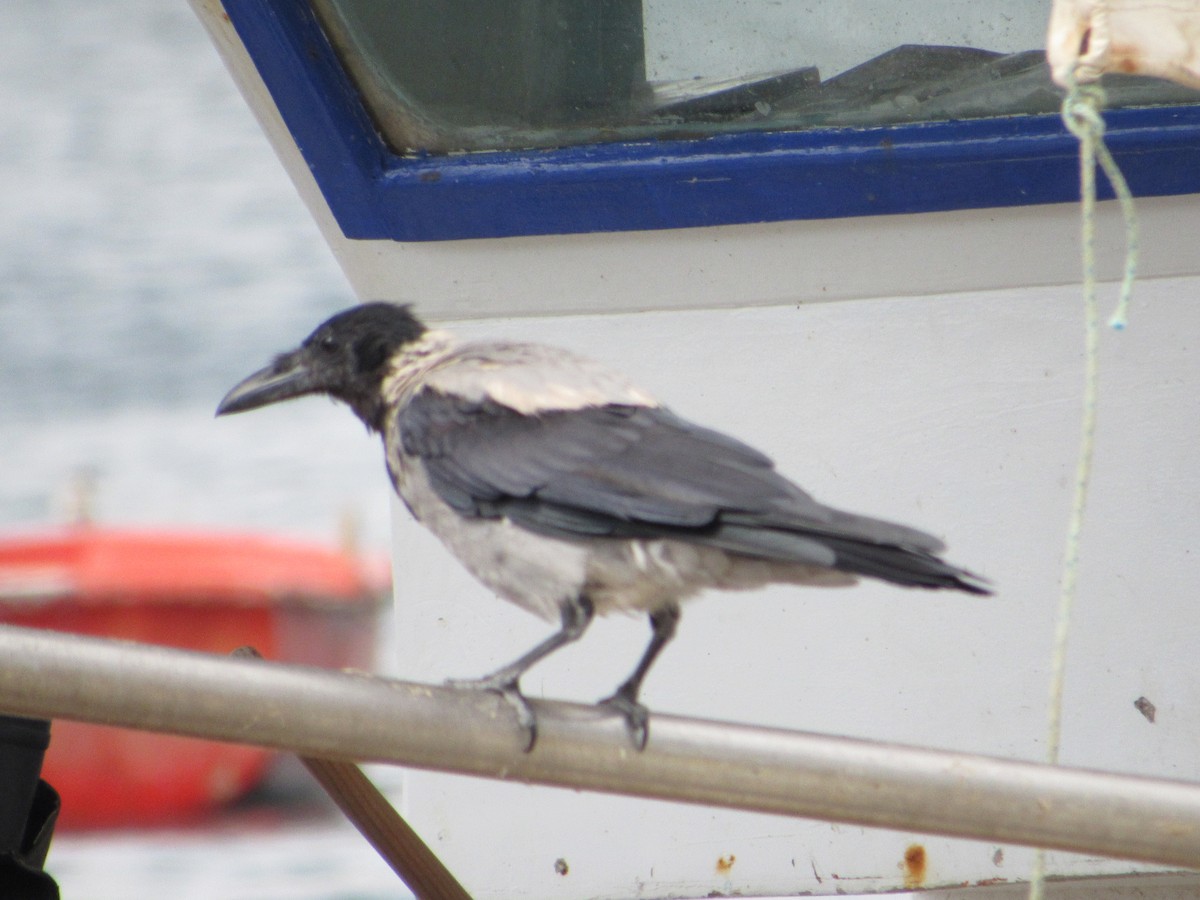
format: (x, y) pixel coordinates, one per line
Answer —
(510, 690)
(636, 716)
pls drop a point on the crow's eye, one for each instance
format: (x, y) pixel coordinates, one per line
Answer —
(328, 344)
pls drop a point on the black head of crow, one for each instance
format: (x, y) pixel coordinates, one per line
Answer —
(347, 358)
(569, 491)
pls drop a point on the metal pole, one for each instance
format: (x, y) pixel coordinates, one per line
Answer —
(361, 717)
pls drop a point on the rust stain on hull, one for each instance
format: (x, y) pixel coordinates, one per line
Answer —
(914, 866)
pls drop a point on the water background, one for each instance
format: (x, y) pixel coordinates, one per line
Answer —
(152, 252)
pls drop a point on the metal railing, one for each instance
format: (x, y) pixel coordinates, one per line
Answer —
(356, 716)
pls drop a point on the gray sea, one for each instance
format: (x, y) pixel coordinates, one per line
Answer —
(152, 252)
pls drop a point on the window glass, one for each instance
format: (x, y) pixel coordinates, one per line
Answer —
(454, 75)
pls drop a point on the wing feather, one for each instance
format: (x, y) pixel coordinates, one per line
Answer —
(630, 471)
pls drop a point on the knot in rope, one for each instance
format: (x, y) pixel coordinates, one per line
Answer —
(1081, 111)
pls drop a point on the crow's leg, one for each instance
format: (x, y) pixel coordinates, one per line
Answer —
(625, 699)
(577, 614)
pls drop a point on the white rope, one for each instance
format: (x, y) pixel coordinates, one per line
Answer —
(1081, 113)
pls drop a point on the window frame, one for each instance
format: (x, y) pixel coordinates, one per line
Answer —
(757, 176)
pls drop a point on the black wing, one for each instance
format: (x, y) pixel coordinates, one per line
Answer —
(634, 471)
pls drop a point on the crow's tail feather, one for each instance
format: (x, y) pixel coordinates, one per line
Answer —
(903, 566)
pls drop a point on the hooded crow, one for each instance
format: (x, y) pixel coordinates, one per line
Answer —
(569, 491)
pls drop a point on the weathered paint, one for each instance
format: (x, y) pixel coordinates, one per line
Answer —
(914, 866)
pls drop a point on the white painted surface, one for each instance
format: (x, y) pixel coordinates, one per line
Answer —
(956, 413)
(946, 396)
(776, 263)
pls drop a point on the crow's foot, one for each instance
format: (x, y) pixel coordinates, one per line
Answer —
(508, 688)
(636, 716)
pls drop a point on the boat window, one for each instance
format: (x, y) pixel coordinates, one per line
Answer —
(438, 120)
(458, 75)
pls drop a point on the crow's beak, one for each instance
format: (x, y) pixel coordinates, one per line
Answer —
(289, 376)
